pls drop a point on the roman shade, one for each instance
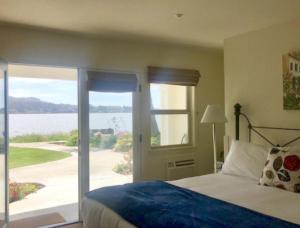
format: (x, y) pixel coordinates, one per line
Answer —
(101, 81)
(173, 76)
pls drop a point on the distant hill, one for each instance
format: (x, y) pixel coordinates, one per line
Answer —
(32, 105)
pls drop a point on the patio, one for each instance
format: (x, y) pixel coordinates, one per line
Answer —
(60, 178)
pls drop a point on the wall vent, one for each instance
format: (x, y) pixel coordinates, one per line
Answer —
(180, 169)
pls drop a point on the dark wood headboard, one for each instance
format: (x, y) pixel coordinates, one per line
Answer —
(255, 129)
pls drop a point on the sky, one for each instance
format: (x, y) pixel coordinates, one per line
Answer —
(61, 92)
(64, 92)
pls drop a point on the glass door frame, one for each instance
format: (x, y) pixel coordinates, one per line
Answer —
(4, 66)
(83, 126)
(7, 134)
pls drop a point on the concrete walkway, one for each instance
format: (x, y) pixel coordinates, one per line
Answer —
(61, 180)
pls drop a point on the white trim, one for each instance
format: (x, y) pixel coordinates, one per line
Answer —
(83, 147)
(174, 147)
(169, 112)
(137, 132)
(194, 116)
(3, 65)
(6, 148)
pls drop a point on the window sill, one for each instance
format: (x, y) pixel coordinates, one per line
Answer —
(182, 148)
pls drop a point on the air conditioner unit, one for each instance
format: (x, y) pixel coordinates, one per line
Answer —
(180, 169)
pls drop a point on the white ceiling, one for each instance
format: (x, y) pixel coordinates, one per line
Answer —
(205, 22)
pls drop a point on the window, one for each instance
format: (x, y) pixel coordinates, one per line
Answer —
(170, 114)
(171, 92)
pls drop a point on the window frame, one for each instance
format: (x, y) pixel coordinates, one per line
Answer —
(189, 111)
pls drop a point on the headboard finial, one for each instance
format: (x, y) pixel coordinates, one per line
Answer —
(237, 109)
(237, 112)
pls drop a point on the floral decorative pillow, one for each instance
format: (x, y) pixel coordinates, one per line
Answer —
(282, 170)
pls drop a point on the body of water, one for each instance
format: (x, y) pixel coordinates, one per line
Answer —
(21, 124)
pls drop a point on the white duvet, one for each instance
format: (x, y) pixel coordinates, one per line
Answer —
(241, 191)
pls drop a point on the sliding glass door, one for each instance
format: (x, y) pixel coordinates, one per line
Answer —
(110, 136)
(3, 146)
(43, 152)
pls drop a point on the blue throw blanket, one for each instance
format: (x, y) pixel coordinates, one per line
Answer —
(159, 204)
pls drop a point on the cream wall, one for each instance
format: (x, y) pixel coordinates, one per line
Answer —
(20, 45)
(253, 77)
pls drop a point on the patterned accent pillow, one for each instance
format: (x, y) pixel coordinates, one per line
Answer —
(282, 170)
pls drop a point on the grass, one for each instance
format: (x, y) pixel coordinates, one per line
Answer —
(19, 157)
(29, 138)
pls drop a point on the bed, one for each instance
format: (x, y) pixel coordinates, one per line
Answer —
(269, 201)
(229, 193)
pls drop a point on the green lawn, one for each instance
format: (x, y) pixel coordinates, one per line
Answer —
(19, 157)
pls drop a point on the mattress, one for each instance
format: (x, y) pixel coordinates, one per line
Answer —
(238, 190)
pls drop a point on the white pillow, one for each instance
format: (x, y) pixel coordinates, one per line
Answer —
(245, 159)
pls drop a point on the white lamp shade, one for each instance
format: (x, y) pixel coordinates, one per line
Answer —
(213, 114)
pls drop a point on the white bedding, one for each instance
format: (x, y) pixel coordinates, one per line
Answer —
(237, 190)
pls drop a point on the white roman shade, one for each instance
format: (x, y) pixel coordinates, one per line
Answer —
(173, 76)
(101, 81)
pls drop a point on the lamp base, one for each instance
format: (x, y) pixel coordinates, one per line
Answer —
(215, 147)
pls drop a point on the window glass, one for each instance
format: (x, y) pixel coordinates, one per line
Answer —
(165, 96)
(110, 139)
(43, 153)
(170, 129)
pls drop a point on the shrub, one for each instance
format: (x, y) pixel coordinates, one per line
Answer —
(155, 140)
(109, 141)
(72, 140)
(95, 140)
(125, 167)
(122, 168)
(291, 102)
(29, 138)
(124, 143)
(18, 191)
(57, 137)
